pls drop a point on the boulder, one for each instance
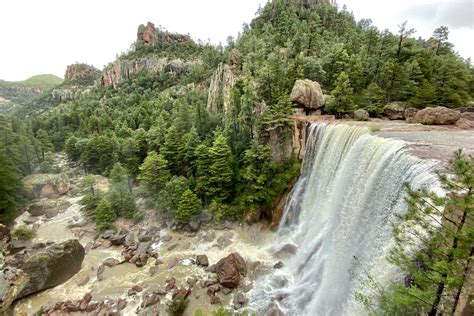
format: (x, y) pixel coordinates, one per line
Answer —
(40, 208)
(181, 294)
(146, 234)
(286, 251)
(395, 111)
(110, 262)
(229, 270)
(361, 115)
(410, 114)
(201, 260)
(119, 238)
(150, 299)
(437, 116)
(239, 300)
(48, 186)
(12, 282)
(48, 266)
(307, 94)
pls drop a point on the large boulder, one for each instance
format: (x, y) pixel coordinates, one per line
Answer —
(410, 114)
(48, 186)
(50, 266)
(437, 116)
(38, 269)
(39, 208)
(229, 270)
(12, 282)
(361, 115)
(395, 111)
(308, 94)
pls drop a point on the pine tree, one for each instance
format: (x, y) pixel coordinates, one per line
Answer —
(189, 206)
(220, 171)
(172, 150)
(45, 144)
(434, 247)
(71, 149)
(10, 188)
(104, 215)
(120, 193)
(154, 172)
(202, 165)
(342, 102)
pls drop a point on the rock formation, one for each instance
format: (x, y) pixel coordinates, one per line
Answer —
(307, 94)
(229, 270)
(149, 35)
(395, 111)
(125, 69)
(221, 85)
(38, 269)
(361, 115)
(437, 116)
(40, 186)
(82, 74)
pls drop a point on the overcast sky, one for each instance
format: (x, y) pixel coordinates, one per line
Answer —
(44, 36)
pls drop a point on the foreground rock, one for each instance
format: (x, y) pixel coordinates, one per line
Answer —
(12, 282)
(437, 116)
(43, 267)
(308, 94)
(394, 111)
(48, 186)
(229, 270)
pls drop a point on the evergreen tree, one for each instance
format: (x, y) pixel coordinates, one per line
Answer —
(220, 170)
(189, 206)
(342, 102)
(120, 193)
(44, 141)
(104, 215)
(202, 166)
(154, 172)
(434, 247)
(10, 188)
(172, 150)
(72, 151)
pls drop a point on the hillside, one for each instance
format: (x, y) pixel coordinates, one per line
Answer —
(15, 94)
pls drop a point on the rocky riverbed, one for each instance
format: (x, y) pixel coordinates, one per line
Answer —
(140, 268)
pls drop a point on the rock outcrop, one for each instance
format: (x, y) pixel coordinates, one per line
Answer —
(38, 269)
(229, 270)
(124, 69)
(48, 186)
(149, 35)
(81, 74)
(437, 116)
(307, 94)
(361, 115)
(221, 85)
(395, 111)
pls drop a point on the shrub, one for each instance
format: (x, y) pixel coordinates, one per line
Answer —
(24, 233)
(177, 307)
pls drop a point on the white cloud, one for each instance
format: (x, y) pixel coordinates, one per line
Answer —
(45, 36)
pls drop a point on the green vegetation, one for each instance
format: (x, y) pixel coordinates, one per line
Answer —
(177, 307)
(24, 233)
(104, 215)
(158, 128)
(434, 247)
(188, 207)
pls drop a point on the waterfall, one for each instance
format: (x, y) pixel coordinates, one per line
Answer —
(339, 216)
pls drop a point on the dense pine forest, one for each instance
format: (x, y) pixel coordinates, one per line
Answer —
(159, 131)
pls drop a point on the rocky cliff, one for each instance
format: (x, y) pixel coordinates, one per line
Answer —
(125, 69)
(220, 88)
(149, 35)
(82, 74)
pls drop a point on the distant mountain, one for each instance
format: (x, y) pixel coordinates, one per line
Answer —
(15, 93)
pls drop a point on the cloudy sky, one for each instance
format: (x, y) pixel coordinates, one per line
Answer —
(44, 36)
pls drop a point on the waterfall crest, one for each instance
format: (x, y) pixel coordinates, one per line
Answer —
(350, 189)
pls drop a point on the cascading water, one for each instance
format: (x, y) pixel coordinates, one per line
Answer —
(339, 217)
